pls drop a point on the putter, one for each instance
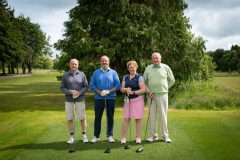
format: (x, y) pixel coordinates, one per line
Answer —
(74, 121)
(141, 149)
(129, 146)
(107, 150)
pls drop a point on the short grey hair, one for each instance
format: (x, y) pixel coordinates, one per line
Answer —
(157, 54)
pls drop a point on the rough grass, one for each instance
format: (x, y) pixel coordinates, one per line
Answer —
(223, 93)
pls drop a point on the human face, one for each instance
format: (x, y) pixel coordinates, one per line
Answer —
(156, 59)
(104, 62)
(132, 69)
(73, 65)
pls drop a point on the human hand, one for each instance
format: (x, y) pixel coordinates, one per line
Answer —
(107, 92)
(76, 94)
(103, 93)
(151, 94)
(129, 90)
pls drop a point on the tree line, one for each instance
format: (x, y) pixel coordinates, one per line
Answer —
(22, 43)
(226, 60)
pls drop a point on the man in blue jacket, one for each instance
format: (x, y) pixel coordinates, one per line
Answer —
(104, 83)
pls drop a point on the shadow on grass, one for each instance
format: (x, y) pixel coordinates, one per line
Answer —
(79, 146)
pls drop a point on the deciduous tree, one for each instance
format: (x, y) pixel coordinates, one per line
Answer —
(36, 43)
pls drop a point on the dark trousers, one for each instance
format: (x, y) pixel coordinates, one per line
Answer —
(99, 108)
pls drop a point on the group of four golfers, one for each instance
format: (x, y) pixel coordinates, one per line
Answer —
(156, 81)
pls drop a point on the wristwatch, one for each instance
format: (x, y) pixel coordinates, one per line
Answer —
(133, 92)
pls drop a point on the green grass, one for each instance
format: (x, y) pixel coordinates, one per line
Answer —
(227, 74)
(230, 83)
(223, 93)
(33, 126)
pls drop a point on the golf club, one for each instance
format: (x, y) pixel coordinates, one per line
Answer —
(141, 149)
(74, 121)
(107, 150)
(129, 146)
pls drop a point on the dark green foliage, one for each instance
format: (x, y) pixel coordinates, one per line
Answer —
(4, 41)
(227, 60)
(11, 52)
(131, 30)
(36, 43)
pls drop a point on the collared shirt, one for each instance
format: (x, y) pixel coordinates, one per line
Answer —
(104, 80)
(158, 79)
(71, 81)
(153, 66)
(106, 70)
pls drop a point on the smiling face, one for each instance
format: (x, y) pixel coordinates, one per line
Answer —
(73, 65)
(156, 59)
(132, 67)
(104, 62)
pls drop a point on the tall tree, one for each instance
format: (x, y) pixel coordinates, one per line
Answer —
(217, 55)
(4, 36)
(131, 30)
(36, 43)
(12, 52)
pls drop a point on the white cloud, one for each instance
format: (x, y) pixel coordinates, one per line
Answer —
(216, 21)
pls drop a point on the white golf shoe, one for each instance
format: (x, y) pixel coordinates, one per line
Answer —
(123, 141)
(84, 138)
(110, 139)
(94, 139)
(138, 140)
(167, 140)
(151, 139)
(71, 140)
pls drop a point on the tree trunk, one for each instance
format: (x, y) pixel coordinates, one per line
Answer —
(23, 69)
(3, 69)
(29, 65)
(12, 68)
(9, 69)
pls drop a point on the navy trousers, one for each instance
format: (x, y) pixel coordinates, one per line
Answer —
(99, 108)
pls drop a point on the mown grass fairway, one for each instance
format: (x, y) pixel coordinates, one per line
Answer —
(33, 126)
(232, 83)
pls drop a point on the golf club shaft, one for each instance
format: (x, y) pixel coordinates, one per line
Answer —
(147, 122)
(130, 120)
(107, 120)
(74, 129)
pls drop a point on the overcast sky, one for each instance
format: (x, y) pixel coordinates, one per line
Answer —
(217, 21)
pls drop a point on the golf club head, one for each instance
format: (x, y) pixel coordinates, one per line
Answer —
(107, 151)
(127, 147)
(71, 150)
(139, 150)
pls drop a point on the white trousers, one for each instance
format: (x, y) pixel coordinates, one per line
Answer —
(159, 105)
